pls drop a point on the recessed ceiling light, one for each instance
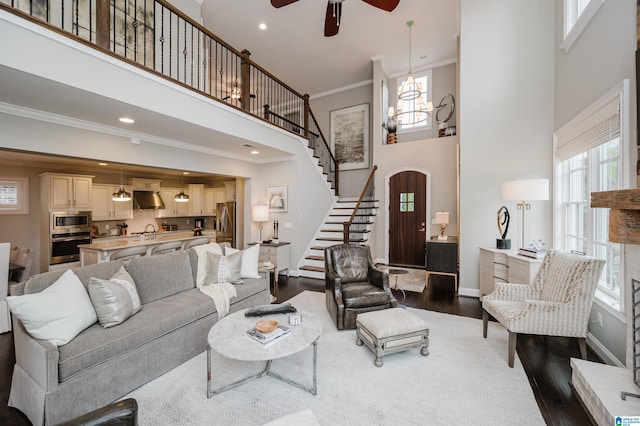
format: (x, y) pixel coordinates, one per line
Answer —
(185, 173)
(262, 26)
(103, 164)
(127, 120)
(255, 152)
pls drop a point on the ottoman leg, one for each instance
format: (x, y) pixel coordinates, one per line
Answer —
(359, 341)
(378, 361)
(424, 351)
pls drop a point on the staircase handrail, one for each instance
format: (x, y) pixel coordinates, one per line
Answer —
(368, 189)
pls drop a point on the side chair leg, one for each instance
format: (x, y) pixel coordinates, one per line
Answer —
(513, 337)
(485, 323)
(583, 347)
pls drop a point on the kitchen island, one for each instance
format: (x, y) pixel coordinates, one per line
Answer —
(101, 251)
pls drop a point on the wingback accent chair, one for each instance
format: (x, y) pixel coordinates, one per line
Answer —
(353, 284)
(556, 304)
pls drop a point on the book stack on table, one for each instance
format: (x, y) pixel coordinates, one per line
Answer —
(268, 339)
(533, 253)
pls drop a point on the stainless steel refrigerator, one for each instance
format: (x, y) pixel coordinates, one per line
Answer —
(226, 223)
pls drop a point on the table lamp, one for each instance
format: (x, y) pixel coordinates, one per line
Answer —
(260, 214)
(522, 191)
(442, 219)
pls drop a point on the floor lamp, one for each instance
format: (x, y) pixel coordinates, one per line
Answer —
(260, 214)
(523, 191)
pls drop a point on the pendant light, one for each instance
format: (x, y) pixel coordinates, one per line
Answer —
(121, 195)
(181, 197)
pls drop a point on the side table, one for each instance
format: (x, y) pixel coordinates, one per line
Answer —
(271, 268)
(397, 272)
(442, 258)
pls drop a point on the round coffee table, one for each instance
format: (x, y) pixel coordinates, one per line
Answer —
(227, 338)
(397, 272)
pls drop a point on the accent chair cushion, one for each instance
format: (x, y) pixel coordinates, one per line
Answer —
(564, 277)
(58, 313)
(364, 295)
(351, 263)
(115, 299)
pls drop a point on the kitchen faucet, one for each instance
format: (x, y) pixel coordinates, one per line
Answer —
(153, 227)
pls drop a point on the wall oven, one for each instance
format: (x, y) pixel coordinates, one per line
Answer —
(68, 230)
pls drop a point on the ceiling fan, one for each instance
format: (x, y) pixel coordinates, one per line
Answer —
(334, 11)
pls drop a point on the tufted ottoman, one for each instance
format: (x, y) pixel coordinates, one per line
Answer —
(391, 330)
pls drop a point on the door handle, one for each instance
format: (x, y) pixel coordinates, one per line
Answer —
(423, 227)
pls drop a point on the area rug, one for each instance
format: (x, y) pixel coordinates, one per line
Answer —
(464, 380)
(415, 280)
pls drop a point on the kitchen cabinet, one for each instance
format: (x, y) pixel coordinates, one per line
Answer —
(145, 184)
(196, 199)
(221, 195)
(64, 192)
(210, 202)
(171, 208)
(104, 208)
(498, 265)
(230, 191)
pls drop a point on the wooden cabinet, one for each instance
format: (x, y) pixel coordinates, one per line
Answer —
(278, 254)
(441, 257)
(497, 265)
(171, 208)
(210, 202)
(145, 184)
(230, 191)
(104, 208)
(64, 192)
(196, 199)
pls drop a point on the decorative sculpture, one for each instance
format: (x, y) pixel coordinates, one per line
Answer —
(503, 220)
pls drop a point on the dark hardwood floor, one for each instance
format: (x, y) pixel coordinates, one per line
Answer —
(546, 361)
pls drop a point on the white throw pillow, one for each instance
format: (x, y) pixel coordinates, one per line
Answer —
(223, 269)
(249, 267)
(201, 251)
(58, 313)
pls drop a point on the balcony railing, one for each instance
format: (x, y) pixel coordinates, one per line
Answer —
(156, 36)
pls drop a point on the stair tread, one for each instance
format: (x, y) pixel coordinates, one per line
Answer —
(313, 268)
(340, 223)
(315, 258)
(341, 231)
(358, 240)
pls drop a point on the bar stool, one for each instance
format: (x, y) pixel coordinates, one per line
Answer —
(166, 247)
(129, 253)
(196, 242)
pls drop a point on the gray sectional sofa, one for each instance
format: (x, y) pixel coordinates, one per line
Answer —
(100, 365)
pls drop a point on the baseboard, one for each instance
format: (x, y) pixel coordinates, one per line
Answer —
(469, 292)
(602, 351)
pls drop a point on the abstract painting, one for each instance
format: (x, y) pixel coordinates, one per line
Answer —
(350, 137)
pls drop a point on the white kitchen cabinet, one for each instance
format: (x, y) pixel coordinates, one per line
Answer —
(210, 202)
(497, 265)
(171, 208)
(196, 199)
(230, 191)
(221, 195)
(64, 192)
(145, 184)
(104, 208)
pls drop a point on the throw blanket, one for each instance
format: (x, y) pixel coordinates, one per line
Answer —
(221, 293)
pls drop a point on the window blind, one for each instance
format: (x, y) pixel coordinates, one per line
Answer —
(598, 128)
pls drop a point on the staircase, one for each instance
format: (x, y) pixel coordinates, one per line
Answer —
(331, 232)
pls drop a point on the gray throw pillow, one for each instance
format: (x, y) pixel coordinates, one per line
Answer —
(223, 269)
(115, 299)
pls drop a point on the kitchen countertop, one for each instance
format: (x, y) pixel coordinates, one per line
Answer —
(133, 241)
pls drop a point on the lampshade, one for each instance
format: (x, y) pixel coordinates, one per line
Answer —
(260, 213)
(525, 190)
(442, 218)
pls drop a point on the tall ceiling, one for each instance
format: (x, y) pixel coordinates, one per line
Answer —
(294, 48)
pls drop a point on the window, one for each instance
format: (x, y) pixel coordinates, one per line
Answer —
(590, 157)
(14, 195)
(577, 14)
(414, 114)
(407, 201)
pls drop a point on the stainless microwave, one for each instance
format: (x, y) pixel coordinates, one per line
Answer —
(70, 221)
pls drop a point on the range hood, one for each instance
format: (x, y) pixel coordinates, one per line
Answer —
(147, 200)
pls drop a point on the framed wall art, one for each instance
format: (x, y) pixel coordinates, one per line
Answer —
(277, 199)
(350, 137)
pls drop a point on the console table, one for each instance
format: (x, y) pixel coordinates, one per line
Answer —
(276, 253)
(505, 266)
(441, 257)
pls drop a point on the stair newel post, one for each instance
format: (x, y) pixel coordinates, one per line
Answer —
(102, 23)
(306, 115)
(245, 76)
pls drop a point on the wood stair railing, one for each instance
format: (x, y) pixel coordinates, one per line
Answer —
(358, 220)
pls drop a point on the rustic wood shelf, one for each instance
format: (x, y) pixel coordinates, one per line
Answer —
(624, 214)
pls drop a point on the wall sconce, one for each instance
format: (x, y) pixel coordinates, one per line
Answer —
(522, 191)
(442, 219)
(260, 214)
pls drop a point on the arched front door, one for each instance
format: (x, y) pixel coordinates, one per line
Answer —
(407, 218)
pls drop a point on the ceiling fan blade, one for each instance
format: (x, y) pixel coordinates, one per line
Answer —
(387, 5)
(280, 3)
(331, 19)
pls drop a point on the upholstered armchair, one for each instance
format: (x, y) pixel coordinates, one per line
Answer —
(556, 304)
(353, 284)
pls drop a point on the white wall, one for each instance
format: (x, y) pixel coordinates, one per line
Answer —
(505, 118)
(602, 56)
